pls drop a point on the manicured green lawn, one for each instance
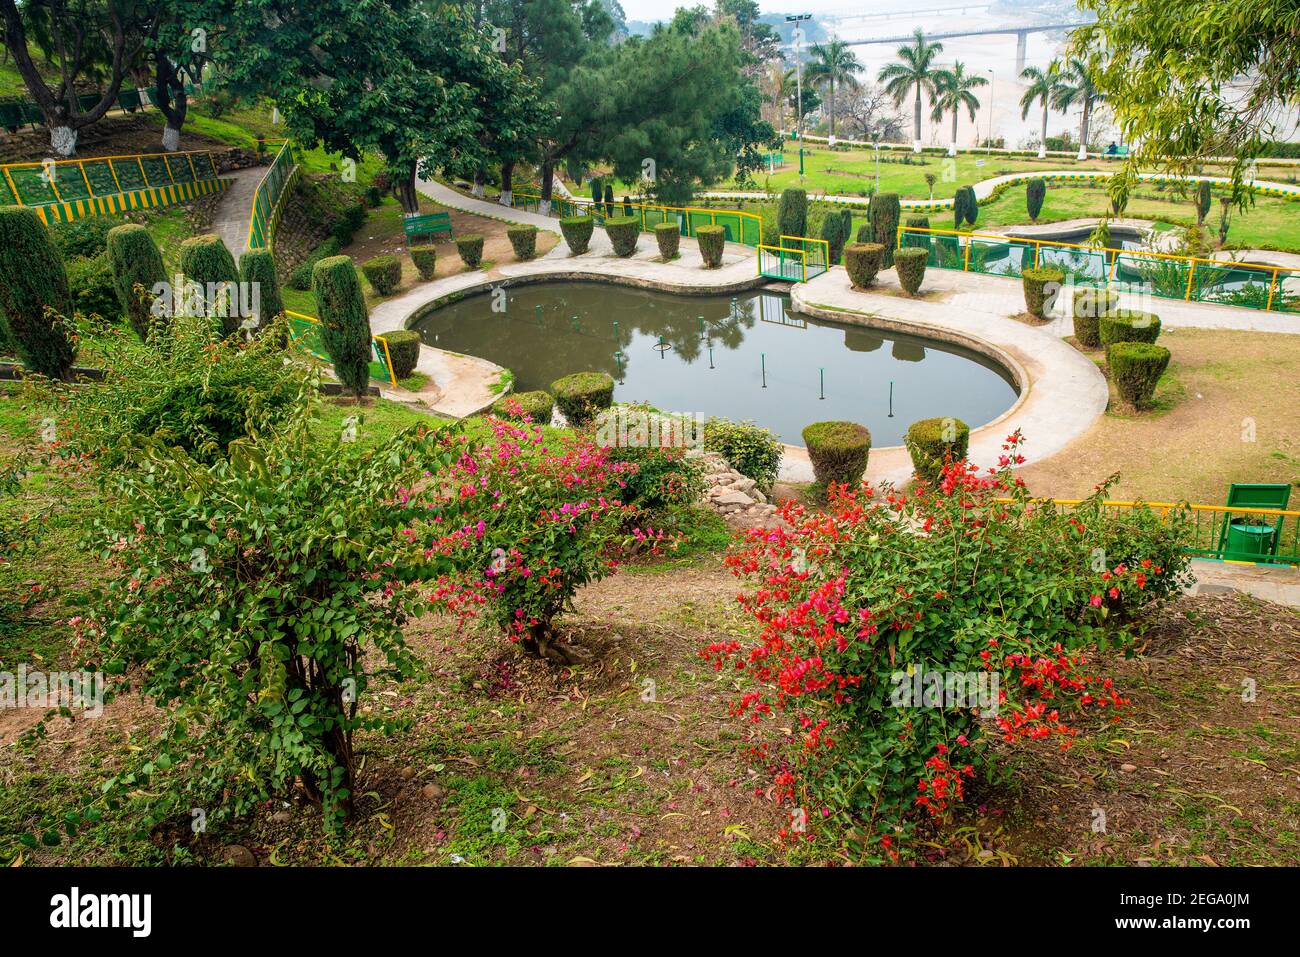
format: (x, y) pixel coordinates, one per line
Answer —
(1272, 223)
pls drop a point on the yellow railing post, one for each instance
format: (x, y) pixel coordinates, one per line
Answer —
(1191, 272)
(90, 190)
(965, 265)
(116, 182)
(1272, 287)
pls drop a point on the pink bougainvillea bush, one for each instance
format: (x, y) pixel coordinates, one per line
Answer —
(528, 518)
(903, 636)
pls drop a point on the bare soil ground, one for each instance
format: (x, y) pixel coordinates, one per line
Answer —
(635, 759)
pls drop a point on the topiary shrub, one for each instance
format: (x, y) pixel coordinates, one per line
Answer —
(34, 294)
(1136, 368)
(833, 232)
(425, 259)
(90, 280)
(884, 210)
(523, 239)
(933, 443)
(965, 208)
(403, 351)
(712, 240)
(792, 217)
(535, 407)
(1129, 326)
(1089, 306)
(669, 238)
(909, 264)
(1035, 193)
(384, 274)
(752, 451)
(205, 260)
(577, 229)
(865, 233)
(257, 268)
(470, 249)
(623, 232)
(583, 395)
(345, 323)
(862, 261)
(838, 452)
(1042, 286)
(137, 267)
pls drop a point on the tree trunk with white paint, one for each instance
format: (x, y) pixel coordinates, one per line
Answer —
(63, 141)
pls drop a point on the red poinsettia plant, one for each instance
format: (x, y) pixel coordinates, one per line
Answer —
(907, 634)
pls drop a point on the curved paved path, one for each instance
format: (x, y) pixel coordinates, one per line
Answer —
(233, 213)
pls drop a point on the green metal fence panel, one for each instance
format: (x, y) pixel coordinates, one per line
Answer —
(1089, 267)
(155, 169)
(70, 182)
(100, 175)
(1232, 285)
(33, 185)
(994, 258)
(129, 174)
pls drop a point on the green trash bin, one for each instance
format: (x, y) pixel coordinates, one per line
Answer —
(1246, 540)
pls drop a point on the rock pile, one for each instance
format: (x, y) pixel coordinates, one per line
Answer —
(733, 495)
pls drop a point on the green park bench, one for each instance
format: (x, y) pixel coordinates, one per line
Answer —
(428, 225)
(1247, 537)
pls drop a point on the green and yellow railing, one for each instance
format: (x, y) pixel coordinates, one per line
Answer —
(1275, 541)
(267, 206)
(797, 258)
(1166, 275)
(741, 227)
(64, 190)
(305, 333)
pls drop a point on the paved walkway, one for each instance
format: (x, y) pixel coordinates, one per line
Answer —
(1275, 583)
(233, 213)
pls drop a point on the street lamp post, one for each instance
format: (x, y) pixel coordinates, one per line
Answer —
(797, 36)
(992, 78)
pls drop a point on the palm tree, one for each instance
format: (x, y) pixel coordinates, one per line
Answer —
(1076, 86)
(914, 71)
(833, 63)
(953, 91)
(1044, 85)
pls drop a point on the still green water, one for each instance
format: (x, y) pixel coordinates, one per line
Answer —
(748, 358)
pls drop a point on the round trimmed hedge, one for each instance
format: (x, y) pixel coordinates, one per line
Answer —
(669, 238)
(1136, 368)
(862, 261)
(1042, 286)
(909, 264)
(623, 232)
(135, 261)
(384, 273)
(425, 259)
(470, 249)
(403, 350)
(523, 239)
(932, 443)
(577, 233)
(1089, 306)
(1129, 326)
(712, 240)
(583, 395)
(838, 451)
(536, 406)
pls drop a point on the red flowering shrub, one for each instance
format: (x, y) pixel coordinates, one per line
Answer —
(905, 633)
(528, 520)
